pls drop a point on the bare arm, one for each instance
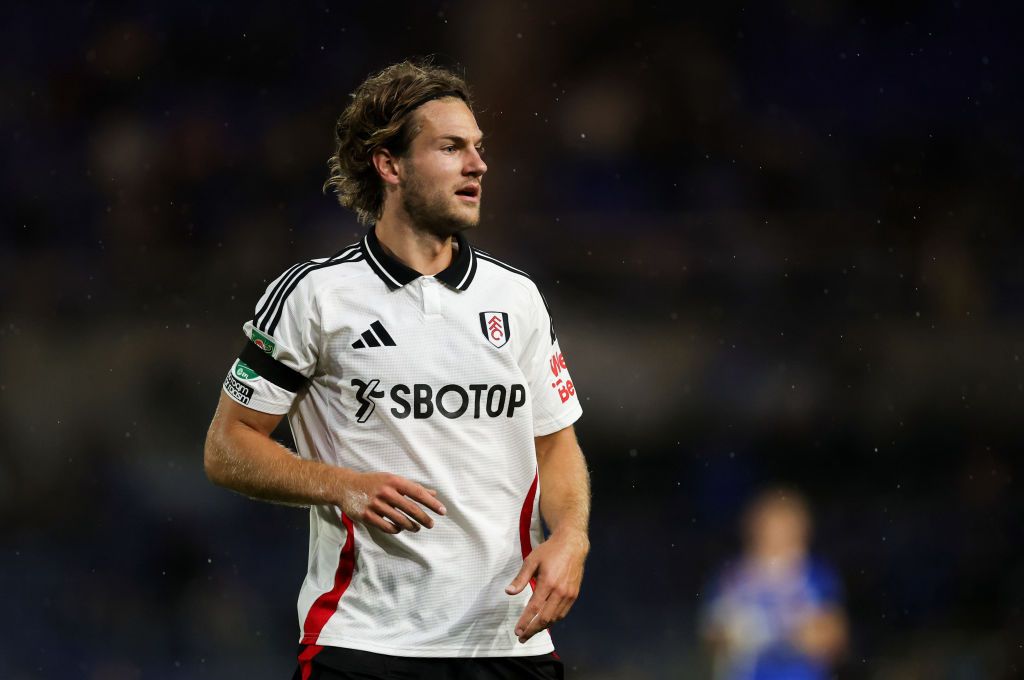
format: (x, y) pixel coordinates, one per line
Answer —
(557, 563)
(564, 485)
(240, 455)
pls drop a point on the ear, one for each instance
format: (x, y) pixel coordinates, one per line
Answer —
(386, 165)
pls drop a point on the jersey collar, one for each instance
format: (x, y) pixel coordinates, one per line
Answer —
(394, 274)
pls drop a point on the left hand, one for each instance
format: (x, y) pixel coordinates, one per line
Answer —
(557, 565)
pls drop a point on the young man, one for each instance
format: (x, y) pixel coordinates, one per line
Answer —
(431, 408)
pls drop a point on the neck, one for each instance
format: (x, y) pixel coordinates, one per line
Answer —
(426, 253)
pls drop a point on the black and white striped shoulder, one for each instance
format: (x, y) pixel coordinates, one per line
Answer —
(269, 313)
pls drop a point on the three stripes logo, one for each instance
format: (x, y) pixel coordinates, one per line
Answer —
(375, 336)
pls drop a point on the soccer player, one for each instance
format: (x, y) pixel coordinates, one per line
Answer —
(431, 408)
(776, 614)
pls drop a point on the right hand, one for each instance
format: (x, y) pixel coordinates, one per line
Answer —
(388, 502)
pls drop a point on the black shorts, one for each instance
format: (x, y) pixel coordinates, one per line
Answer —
(335, 663)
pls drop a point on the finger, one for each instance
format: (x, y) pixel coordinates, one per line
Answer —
(375, 520)
(522, 578)
(563, 609)
(538, 624)
(561, 601)
(421, 495)
(411, 509)
(571, 598)
(533, 608)
(397, 517)
(544, 618)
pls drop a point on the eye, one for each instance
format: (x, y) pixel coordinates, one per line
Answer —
(480, 149)
(448, 149)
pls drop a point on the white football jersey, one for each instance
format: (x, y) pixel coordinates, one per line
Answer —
(444, 380)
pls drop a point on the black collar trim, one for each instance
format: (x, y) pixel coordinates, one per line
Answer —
(459, 274)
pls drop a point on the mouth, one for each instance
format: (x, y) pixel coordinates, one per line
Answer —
(469, 193)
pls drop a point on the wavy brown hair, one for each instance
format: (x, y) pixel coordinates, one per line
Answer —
(381, 115)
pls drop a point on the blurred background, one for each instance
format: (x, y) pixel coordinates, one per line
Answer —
(781, 241)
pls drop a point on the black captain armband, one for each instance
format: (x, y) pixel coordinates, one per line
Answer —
(271, 369)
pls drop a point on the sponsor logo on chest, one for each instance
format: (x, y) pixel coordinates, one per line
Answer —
(420, 401)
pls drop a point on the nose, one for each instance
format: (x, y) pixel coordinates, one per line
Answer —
(475, 166)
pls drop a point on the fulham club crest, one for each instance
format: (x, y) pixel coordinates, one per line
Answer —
(494, 326)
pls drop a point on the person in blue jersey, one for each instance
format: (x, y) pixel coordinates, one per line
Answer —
(775, 613)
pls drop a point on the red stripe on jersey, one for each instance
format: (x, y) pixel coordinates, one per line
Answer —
(325, 606)
(306, 660)
(525, 519)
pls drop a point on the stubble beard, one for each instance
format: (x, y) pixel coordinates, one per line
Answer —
(431, 210)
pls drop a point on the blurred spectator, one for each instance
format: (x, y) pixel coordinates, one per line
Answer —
(776, 612)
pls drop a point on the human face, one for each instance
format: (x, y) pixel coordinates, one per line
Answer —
(779, 532)
(441, 173)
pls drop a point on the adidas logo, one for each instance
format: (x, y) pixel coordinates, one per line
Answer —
(370, 340)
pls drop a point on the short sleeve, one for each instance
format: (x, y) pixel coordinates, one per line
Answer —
(281, 349)
(555, 402)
